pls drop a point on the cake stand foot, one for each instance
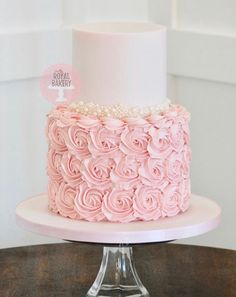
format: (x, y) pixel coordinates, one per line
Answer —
(117, 275)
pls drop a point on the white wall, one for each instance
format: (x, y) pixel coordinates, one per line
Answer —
(202, 76)
(202, 66)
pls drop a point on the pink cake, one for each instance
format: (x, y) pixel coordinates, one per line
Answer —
(113, 160)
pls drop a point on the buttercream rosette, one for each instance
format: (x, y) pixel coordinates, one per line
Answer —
(89, 201)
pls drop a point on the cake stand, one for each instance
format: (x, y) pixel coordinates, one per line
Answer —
(117, 275)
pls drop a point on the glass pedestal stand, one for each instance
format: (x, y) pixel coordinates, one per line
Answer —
(117, 275)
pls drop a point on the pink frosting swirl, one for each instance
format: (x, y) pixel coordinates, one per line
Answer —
(51, 120)
(158, 121)
(179, 111)
(147, 203)
(65, 201)
(113, 124)
(177, 136)
(96, 172)
(89, 201)
(53, 187)
(137, 122)
(71, 170)
(118, 206)
(185, 127)
(170, 202)
(185, 167)
(104, 142)
(174, 167)
(159, 145)
(54, 165)
(57, 112)
(88, 122)
(77, 141)
(178, 118)
(185, 194)
(134, 141)
(125, 171)
(68, 118)
(56, 136)
(152, 173)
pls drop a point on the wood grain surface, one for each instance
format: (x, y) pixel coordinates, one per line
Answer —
(69, 269)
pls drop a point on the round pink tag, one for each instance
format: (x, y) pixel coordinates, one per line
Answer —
(60, 84)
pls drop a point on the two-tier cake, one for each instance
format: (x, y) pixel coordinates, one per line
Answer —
(121, 152)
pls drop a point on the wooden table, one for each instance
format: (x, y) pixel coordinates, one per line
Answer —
(63, 270)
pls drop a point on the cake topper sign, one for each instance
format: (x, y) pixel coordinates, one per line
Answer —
(60, 84)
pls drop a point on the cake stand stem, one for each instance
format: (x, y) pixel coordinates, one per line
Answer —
(117, 275)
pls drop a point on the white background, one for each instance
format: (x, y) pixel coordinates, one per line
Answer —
(202, 76)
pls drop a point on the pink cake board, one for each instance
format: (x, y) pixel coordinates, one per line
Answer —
(202, 216)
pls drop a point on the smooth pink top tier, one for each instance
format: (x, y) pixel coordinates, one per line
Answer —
(121, 63)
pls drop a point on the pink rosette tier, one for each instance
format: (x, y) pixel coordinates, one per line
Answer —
(118, 170)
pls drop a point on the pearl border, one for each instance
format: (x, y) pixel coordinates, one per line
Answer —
(118, 111)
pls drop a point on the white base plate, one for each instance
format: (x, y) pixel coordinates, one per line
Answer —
(202, 216)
